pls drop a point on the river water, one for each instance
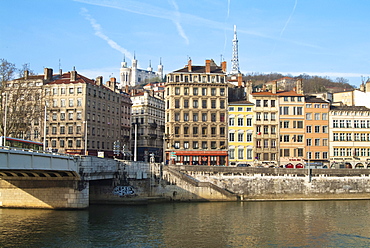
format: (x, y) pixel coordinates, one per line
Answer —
(229, 224)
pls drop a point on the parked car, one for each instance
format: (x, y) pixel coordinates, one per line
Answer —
(243, 165)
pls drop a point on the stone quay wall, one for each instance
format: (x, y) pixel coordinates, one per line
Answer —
(286, 184)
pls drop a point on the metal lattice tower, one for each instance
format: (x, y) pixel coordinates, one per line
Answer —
(235, 59)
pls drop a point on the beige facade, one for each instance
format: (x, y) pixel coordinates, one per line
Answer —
(196, 100)
(147, 126)
(83, 116)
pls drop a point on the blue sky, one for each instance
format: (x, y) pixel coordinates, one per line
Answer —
(316, 37)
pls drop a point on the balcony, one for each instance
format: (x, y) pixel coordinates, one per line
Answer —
(153, 125)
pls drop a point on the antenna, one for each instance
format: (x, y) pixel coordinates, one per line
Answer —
(59, 64)
(235, 59)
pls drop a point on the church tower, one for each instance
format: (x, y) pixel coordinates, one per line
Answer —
(160, 69)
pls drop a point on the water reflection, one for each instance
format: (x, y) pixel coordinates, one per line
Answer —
(248, 224)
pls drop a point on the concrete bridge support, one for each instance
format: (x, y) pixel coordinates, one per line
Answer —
(43, 189)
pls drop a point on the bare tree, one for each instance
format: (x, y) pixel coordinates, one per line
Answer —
(22, 100)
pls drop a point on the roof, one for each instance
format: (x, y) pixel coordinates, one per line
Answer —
(349, 108)
(314, 99)
(288, 93)
(241, 102)
(65, 78)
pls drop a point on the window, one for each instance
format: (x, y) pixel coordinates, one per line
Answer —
(195, 145)
(177, 90)
(231, 121)
(258, 103)
(177, 144)
(70, 115)
(272, 103)
(195, 117)
(317, 116)
(324, 116)
(249, 122)
(308, 129)
(186, 91)
(204, 116)
(204, 103)
(213, 104)
(204, 145)
(266, 116)
(186, 103)
(195, 91)
(71, 91)
(317, 129)
(195, 131)
(258, 116)
(335, 136)
(231, 153)
(222, 104)
(309, 142)
(240, 153)
(79, 90)
(186, 144)
(186, 116)
(317, 155)
(240, 109)
(231, 108)
(265, 103)
(286, 138)
(177, 116)
(348, 124)
(308, 116)
(177, 103)
(63, 91)
(204, 91)
(222, 91)
(231, 137)
(195, 103)
(285, 110)
(285, 98)
(335, 123)
(249, 137)
(70, 129)
(286, 152)
(240, 137)
(341, 123)
(240, 122)
(317, 142)
(70, 102)
(213, 91)
(317, 105)
(286, 124)
(273, 116)
(325, 129)
(204, 131)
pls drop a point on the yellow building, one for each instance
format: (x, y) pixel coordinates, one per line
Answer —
(241, 133)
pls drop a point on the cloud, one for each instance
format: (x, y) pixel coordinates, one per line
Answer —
(176, 21)
(290, 17)
(157, 12)
(98, 32)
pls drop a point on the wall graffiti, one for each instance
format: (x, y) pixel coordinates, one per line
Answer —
(123, 190)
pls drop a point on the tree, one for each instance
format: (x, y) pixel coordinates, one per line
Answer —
(22, 101)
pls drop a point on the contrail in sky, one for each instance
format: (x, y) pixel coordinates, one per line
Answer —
(290, 17)
(176, 21)
(99, 33)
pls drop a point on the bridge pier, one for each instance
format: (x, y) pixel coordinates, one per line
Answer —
(43, 189)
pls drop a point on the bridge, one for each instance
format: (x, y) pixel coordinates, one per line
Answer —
(38, 179)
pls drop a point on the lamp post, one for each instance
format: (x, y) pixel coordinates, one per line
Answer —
(44, 145)
(85, 152)
(5, 117)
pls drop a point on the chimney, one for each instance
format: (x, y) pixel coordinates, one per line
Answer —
(208, 66)
(26, 73)
(274, 87)
(60, 72)
(189, 65)
(240, 80)
(99, 80)
(299, 86)
(73, 74)
(48, 74)
(223, 66)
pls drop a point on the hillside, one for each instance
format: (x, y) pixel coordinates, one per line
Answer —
(311, 84)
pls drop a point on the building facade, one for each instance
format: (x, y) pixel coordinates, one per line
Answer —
(317, 132)
(147, 126)
(266, 107)
(349, 143)
(196, 100)
(241, 133)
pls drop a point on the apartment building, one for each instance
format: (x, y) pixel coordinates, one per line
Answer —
(349, 132)
(266, 108)
(85, 116)
(147, 126)
(316, 132)
(241, 133)
(291, 126)
(196, 100)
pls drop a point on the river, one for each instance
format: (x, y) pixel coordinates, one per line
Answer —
(217, 224)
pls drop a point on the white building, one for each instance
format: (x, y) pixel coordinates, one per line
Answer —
(349, 136)
(131, 76)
